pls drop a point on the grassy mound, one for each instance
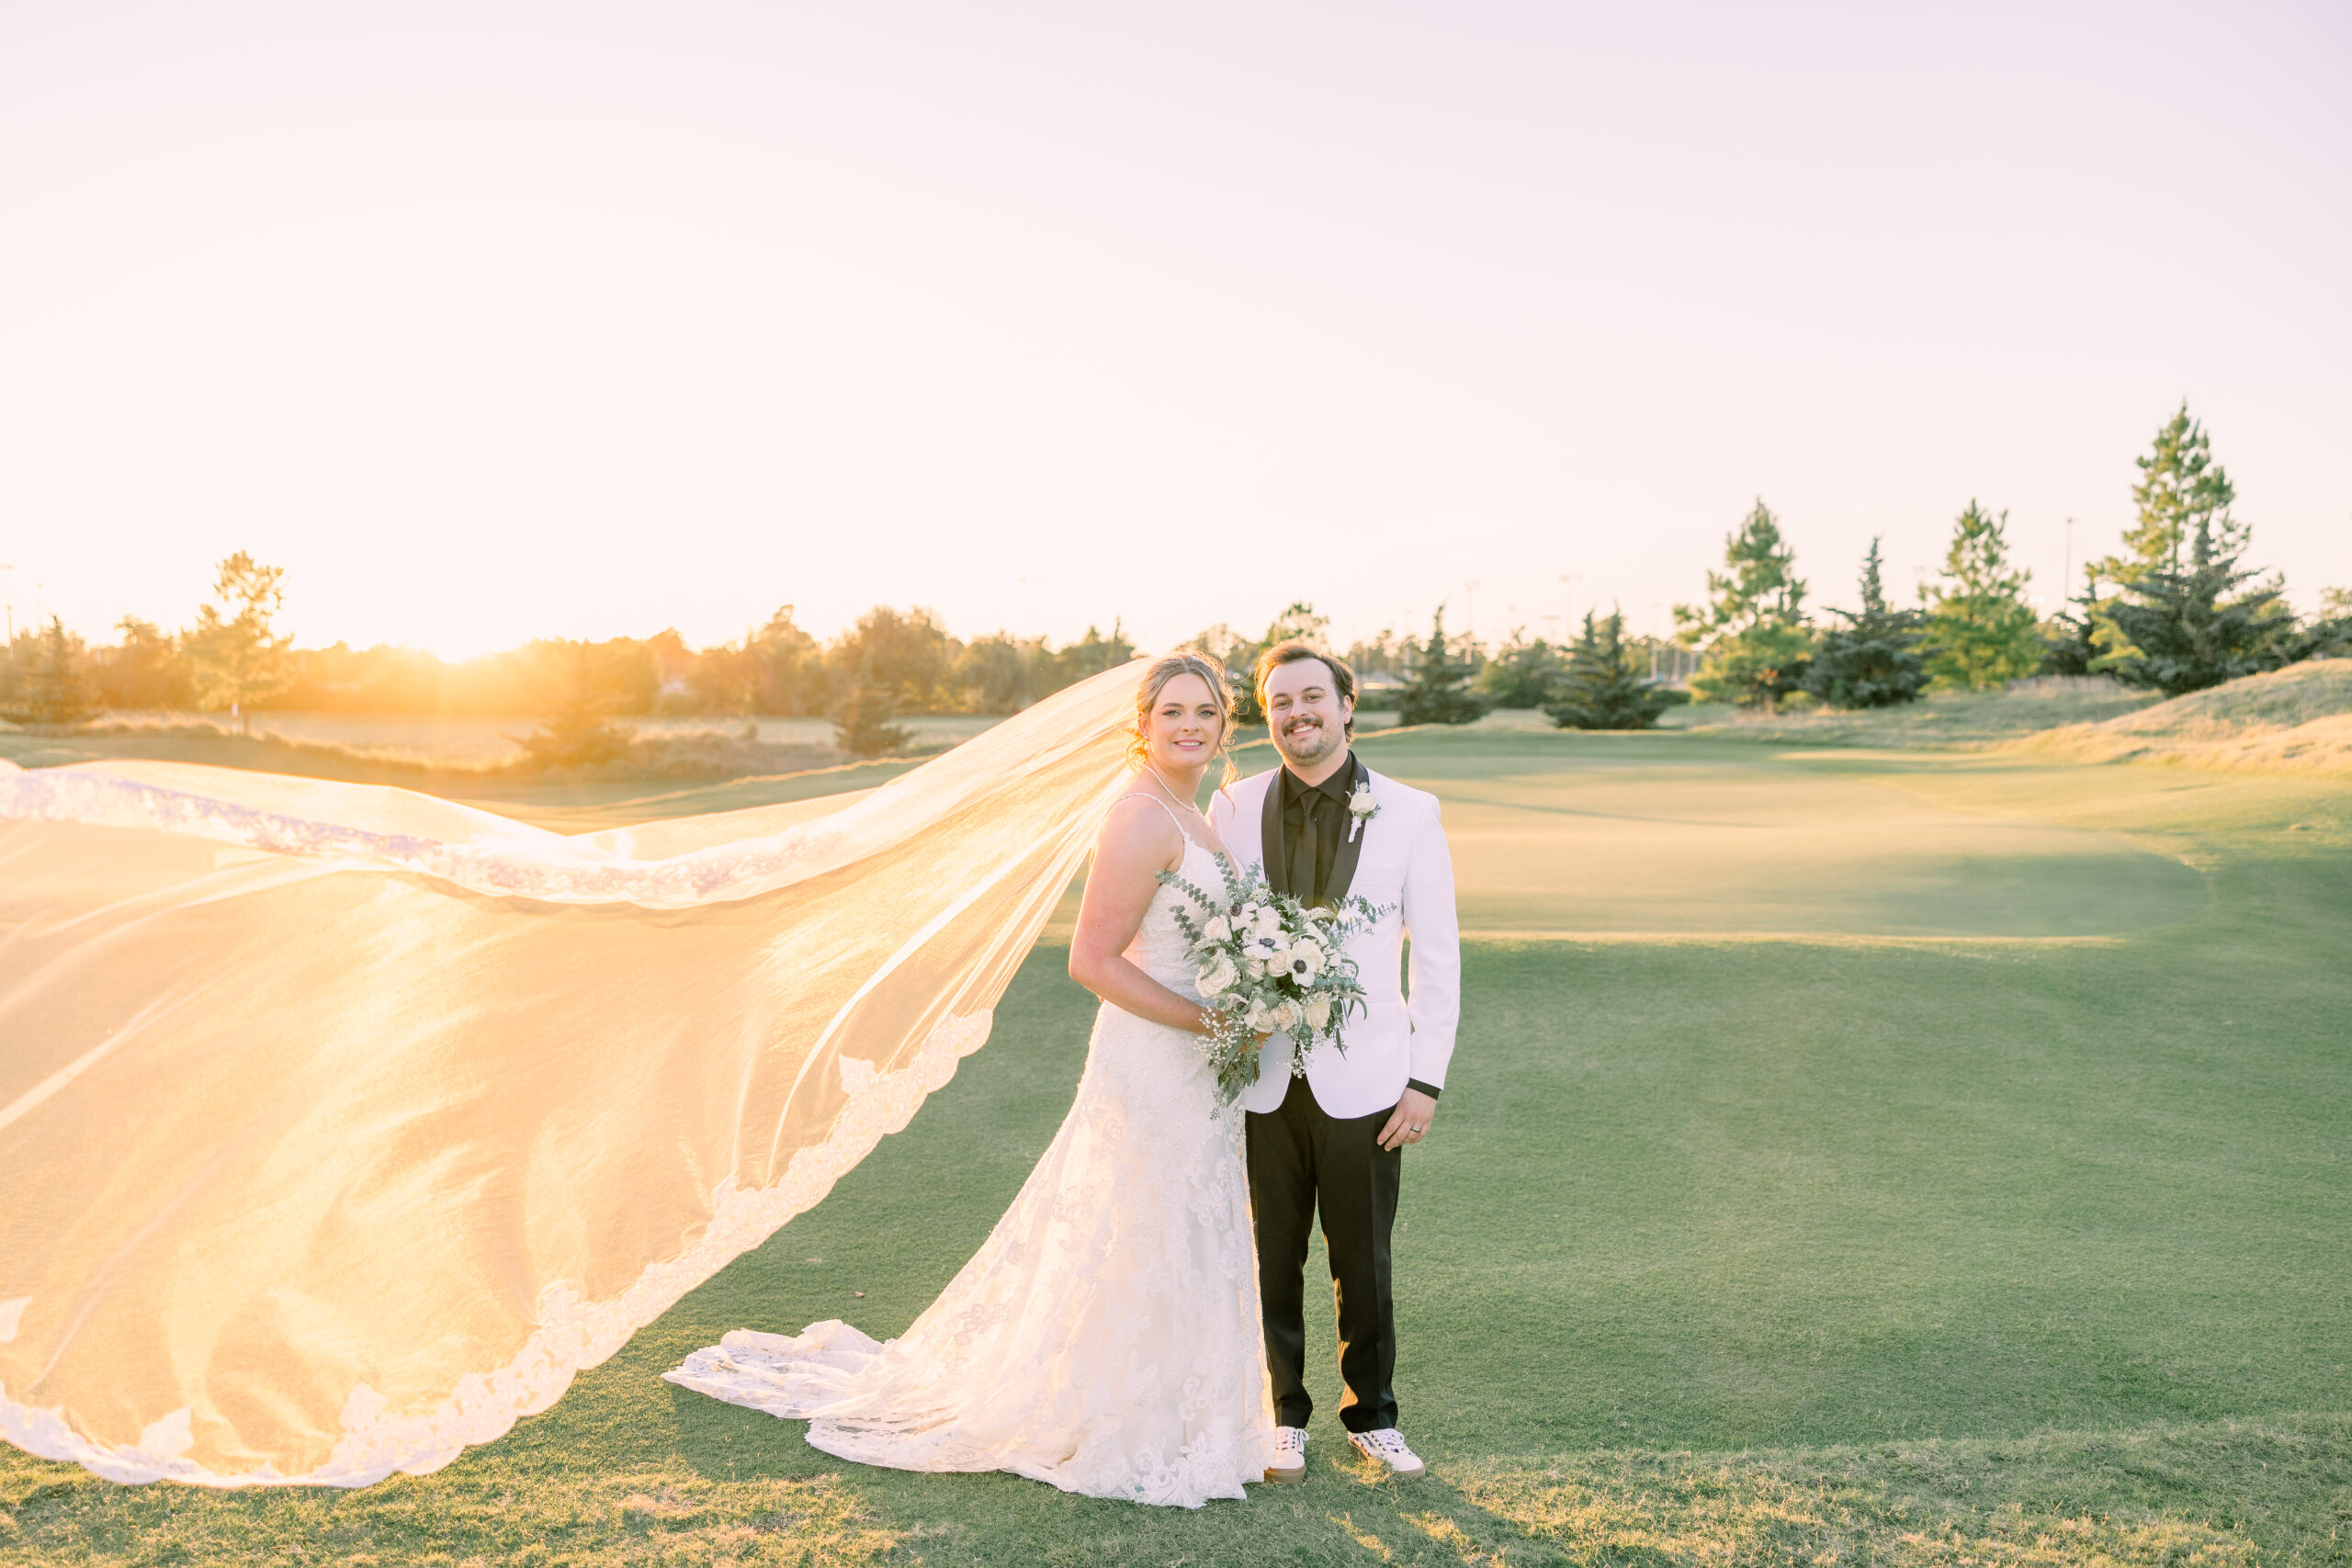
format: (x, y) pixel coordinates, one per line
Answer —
(1946, 719)
(2298, 717)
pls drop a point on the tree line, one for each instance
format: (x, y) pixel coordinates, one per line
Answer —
(2178, 610)
(2174, 611)
(235, 660)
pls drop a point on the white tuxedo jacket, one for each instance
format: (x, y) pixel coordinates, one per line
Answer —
(1404, 864)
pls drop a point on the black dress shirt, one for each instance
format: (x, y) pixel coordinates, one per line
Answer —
(1315, 818)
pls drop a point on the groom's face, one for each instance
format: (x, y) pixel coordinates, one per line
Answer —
(1306, 713)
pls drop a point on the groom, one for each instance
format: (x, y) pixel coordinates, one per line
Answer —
(1325, 826)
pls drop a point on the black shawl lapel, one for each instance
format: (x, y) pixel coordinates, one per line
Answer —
(1272, 850)
(1352, 832)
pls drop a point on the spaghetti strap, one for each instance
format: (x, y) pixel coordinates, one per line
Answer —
(1141, 795)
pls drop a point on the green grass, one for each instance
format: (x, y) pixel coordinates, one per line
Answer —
(1984, 1197)
(1941, 718)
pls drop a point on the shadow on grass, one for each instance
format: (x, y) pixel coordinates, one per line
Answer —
(2207, 1493)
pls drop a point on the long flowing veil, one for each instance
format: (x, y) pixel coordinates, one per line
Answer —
(340, 1126)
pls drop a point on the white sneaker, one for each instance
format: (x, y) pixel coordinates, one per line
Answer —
(1290, 1455)
(1388, 1447)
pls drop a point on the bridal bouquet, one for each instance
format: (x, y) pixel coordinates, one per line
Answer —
(1263, 962)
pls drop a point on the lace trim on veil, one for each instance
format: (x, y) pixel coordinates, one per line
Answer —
(574, 1334)
(254, 1106)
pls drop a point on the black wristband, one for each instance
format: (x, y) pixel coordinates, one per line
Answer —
(1430, 1089)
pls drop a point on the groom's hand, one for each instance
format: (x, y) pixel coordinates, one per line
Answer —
(1410, 1122)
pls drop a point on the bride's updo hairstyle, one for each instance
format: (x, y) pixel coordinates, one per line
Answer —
(1155, 681)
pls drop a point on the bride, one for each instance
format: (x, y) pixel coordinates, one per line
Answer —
(343, 1126)
(1105, 1338)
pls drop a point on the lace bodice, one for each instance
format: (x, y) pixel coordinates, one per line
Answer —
(1159, 947)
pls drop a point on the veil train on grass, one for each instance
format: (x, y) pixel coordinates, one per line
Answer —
(340, 1125)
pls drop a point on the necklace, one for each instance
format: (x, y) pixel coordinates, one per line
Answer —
(1169, 793)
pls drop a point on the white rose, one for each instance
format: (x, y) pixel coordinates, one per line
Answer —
(1217, 977)
(1286, 1016)
(1217, 930)
(1269, 921)
(1318, 1014)
(1260, 1020)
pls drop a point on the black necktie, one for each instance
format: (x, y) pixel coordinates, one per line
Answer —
(1303, 879)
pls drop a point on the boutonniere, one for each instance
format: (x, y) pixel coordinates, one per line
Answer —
(1362, 807)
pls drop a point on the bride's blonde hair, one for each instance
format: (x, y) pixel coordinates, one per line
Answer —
(1155, 681)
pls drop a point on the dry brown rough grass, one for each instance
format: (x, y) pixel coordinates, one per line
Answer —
(2299, 718)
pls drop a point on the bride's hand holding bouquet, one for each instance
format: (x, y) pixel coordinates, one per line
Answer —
(1265, 962)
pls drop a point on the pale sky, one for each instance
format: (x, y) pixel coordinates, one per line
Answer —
(493, 320)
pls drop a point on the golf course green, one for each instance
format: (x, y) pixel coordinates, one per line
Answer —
(1850, 1156)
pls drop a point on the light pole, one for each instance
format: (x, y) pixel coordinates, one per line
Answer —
(1473, 629)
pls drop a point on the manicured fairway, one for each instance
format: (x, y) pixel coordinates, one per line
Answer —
(1849, 1158)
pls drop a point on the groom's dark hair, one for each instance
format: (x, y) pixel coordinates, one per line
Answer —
(1290, 652)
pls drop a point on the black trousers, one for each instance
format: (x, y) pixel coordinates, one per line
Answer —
(1301, 1159)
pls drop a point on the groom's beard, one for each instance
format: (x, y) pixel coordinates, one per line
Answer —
(1305, 741)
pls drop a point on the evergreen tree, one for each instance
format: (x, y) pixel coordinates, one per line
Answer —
(237, 657)
(2185, 629)
(861, 716)
(1522, 675)
(862, 719)
(1873, 660)
(2181, 488)
(1751, 632)
(51, 690)
(1604, 686)
(1979, 631)
(1438, 690)
(577, 732)
(2070, 638)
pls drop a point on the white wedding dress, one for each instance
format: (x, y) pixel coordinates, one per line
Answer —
(341, 1126)
(1105, 1339)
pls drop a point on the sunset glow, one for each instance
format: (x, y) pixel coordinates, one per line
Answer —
(490, 324)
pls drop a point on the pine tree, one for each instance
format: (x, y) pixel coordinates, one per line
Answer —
(577, 732)
(53, 691)
(862, 723)
(1522, 675)
(1873, 660)
(238, 658)
(1979, 631)
(2185, 629)
(1438, 691)
(2070, 639)
(2181, 488)
(1604, 688)
(1751, 632)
